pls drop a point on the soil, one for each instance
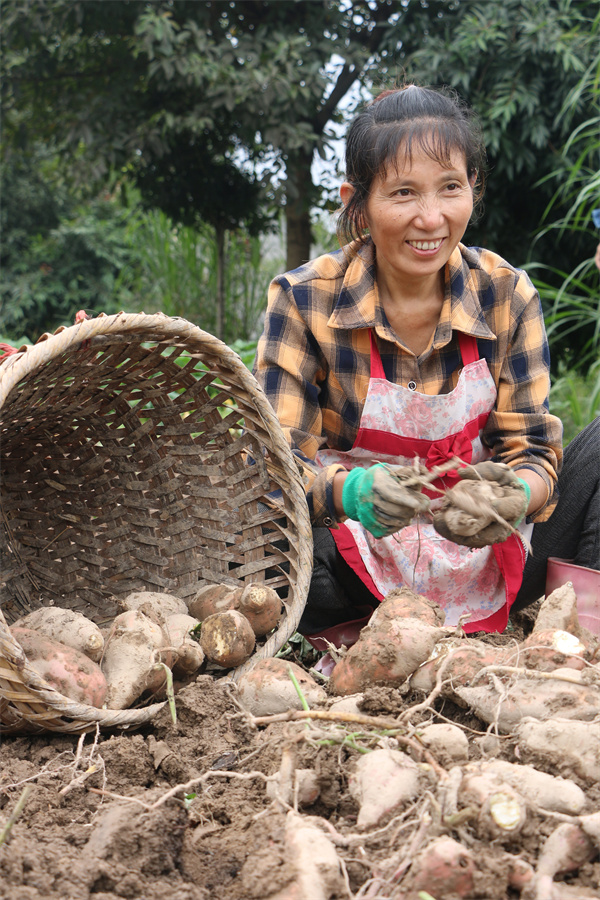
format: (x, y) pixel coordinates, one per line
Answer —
(180, 811)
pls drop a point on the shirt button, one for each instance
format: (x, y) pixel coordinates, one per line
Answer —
(412, 385)
(328, 521)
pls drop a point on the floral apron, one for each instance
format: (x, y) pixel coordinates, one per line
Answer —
(397, 425)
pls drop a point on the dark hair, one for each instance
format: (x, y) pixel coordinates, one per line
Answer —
(435, 121)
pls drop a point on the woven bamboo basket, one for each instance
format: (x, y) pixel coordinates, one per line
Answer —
(137, 453)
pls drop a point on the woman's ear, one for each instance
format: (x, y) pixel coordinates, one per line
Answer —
(473, 179)
(346, 192)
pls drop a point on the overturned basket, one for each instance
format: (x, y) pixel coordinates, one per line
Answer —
(137, 453)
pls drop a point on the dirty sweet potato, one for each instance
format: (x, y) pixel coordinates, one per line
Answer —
(262, 607)
(69, 671)
(133, 658)
(153, 604)
(213, 598)
(402, 603)
(68, 627)
(227, 638)
(189, 655)
(387, 652)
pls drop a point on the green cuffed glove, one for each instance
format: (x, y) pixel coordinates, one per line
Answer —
(469, 512)
(380, 500)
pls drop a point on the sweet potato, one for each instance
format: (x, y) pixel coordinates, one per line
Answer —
(227, 638)
(502, 811)
(189, 655)
(213, 598)
(448, 743)
(462, 659)
(548, 650)
(132, 659)
(576, 744)
(381, 781)
(68, 627)
(402, 603)
(385, 653)
(530, 697)
(443, 867)
(69, 671)
(155, 605)
(267, 688)
(262, 607)
(558, 611)
(546, 791)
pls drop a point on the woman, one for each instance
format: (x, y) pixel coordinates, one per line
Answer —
(406, 344)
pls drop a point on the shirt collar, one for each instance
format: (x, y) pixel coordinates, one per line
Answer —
(358, 301)
(358, 305)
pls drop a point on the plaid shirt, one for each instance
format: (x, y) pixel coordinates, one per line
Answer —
(313, 360)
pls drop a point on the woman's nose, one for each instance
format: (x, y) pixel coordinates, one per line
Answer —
(430, 212)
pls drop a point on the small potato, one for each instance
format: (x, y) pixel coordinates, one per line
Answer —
(262, 607)
(214, 598)
(68, 627)
(189, 655)
(69, 671)
(227, 638)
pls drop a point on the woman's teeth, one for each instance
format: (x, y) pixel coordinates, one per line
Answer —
(425, 245)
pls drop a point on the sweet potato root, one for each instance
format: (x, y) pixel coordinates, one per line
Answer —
(382, 780)
(153, 604)
(227, 638)
(385, 653)
(267, 688)
(69, 671)
(548, 650)
(214, 598)
(68, 627)
(132, 659)
(443, 867)
(189, 655)
(531, 697)
(262, 607)
(575, 743)
(402, 603)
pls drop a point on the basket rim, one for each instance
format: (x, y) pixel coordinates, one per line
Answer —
(15, 367)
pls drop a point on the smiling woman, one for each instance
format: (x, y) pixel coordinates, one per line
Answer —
(411, 375)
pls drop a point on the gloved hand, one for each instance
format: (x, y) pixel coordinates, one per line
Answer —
(470, 511)
(383, 500)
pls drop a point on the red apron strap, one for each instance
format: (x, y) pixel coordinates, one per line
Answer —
(468, 348)
(510, 557)
(376, 364)
(344, 541)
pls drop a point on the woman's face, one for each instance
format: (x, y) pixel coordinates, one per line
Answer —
(417, 214)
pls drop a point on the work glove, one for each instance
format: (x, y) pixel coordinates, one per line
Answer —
(484, 507)
(383, 499)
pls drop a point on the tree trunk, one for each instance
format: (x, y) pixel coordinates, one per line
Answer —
(300, 193)
(220, 324)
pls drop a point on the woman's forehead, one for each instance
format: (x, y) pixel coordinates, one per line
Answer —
(409, 158)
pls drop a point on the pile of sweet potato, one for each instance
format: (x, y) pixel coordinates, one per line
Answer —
(155, 634)
(421, 783)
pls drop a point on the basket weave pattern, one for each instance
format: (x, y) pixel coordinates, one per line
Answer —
(134, 453)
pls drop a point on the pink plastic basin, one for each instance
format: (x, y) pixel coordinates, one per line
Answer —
(586, 584)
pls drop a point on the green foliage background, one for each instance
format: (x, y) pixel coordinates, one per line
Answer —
(145, 151)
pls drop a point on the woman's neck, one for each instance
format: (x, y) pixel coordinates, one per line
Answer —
(413, 309)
